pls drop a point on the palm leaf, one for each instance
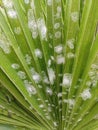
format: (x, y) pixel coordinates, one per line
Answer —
(48, 64)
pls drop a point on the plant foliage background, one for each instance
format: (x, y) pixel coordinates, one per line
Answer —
(49, 64)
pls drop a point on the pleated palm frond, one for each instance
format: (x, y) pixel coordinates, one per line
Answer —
(48, 64)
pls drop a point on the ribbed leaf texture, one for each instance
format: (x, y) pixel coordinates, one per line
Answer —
(49, 64)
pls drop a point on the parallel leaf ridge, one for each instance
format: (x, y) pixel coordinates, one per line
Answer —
(48, 64)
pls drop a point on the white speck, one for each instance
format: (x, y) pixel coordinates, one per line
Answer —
(40, 22)
(12, 13)
(58, 34)
(45, 80)
(46, 101)
(32, 70)
(58, 49)
(70, 55)
(51, 74)
(35, 34)
(26, 1)
(31, 23)
(94, 66)
(49, 2)
(75, 16)
(30, 88)
(39, 99)
(17, 30)
(59, 9)
(21, 74)
(59, 95)
(7, 3)
(91, 73)
(79, 119)
(49, 91)
(86, 94)
(49, 62)
(42, 28)
(55, 124)
(32, 4)
(36, 77)
(67, 80)
(26, 82)
(44, 77)
(31, 15)
(38, 53)
(70, 43)
(28, 59)
(94, 83)
(41, 106)
(5, 47)
(71, 102)
(56, 25)
(15, 66)
(43, 32)
(60, 59)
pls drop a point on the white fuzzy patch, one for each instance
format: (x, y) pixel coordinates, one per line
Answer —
(12, 13)
(67, 79)
(30, 88)
(15, 66)
(21, 74)
(60, 59)
(58, 34)
(70, 43)
(70, 55)
(7, 3)
(86, 94)
(38, 53)
(5, 47)
(26, 1)
(75, 16)
(56, 25)
(36, 77)
(58, 49)
(42, 28)
(41, 106)
(49, 2)
(28, 59)
(17, 30)
(49, 91)
(51, 74)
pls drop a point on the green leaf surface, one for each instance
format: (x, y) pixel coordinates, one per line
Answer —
(48, 64)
